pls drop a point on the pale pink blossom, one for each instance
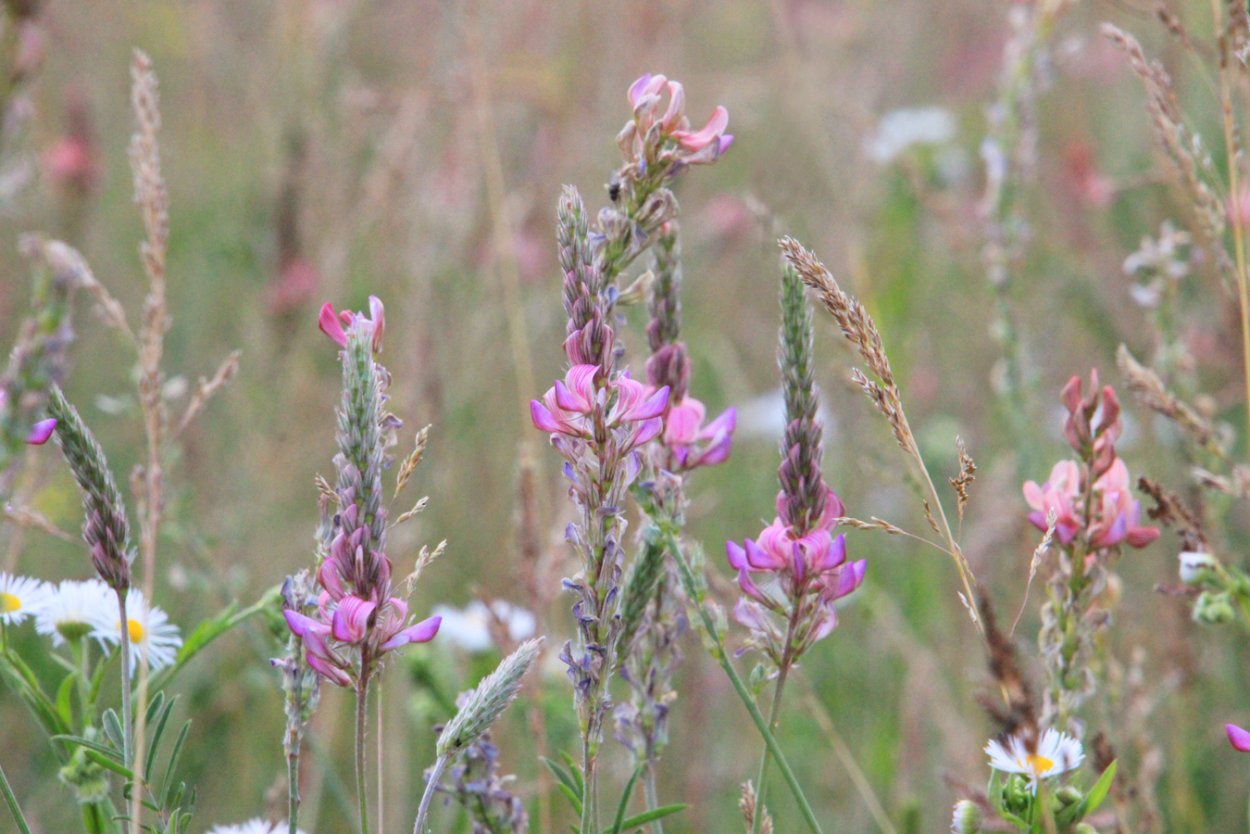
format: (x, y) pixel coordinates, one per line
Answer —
(1059, 495)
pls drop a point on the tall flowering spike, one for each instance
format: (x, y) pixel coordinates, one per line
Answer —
(669, 363)
(802, 503)
(105, 528)
(589, 337)
(356, 620)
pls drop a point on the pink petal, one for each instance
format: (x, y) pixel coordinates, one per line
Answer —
(711, 131)
(351, 619)
(329, 324)
(1238, 738)
(736, 555)
(422, 632)
(378, 314)
(648, 430)
(41, 431)
(302, 625)
(543, 419)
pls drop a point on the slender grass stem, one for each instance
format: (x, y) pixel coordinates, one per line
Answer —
(652, 796)
(418, 826)
(11, 801)
(774, 716)
(696, 598)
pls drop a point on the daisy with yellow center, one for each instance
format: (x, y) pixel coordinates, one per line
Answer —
(148, 629)
(20, 597)
(1056, 753)
(74, 609)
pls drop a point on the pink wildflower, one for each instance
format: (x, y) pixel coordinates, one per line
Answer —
(1117, 513)
(694, 444)
(569, 406)
(332, 324)
(41, 431)
(1058, 494)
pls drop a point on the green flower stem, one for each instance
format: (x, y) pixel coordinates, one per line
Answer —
(124, 642)
(11, 801)
(362, 696)
(774, 716)
(696, 597)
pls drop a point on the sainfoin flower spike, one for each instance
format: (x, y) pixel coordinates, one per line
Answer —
(1056, 753)
(358, 619)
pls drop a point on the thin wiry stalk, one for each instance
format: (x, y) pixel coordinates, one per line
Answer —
(418, 825)
(362, 793)
(691, 586)
(124, 628)
(11, 801)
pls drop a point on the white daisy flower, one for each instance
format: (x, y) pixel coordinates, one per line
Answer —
(20, 597)
(75, 609)
(149, 629)
(469, 628)
(254, 826)
(1056, 753)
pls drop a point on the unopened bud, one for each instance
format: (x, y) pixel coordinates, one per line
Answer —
(1017, 795)
(966, 818)
(1198, 567)
(1213, 608)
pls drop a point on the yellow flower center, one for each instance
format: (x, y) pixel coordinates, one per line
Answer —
(134, 630)
(1039, 764)
(9, 603)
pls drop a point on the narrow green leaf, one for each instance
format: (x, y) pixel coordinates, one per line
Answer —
(561, 774)
(109, 763)
(173, 764)
(575, 770)
(157, 730)
(11, 801)
(1098, 793)
(575, 799)
(649, 816)
(154, 706)
(64, 699)
(90, 744)
(113, 729)
(623, 805)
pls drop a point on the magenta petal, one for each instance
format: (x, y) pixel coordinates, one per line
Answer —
(736, 555)
(41, 431)
(422, 632)
(351, 619)
(1238, 738)
(302, 625)
(653, 406)
(329, 324)
(566, 399)
(723, 143)
(636, 89)
(748, 587)
(834, 555)
(760, 559)
(543, 419)
(378, 314)
(648, 430)
(328, 671)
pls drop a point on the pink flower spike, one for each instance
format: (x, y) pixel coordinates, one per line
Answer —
(41, 431)
(328, 321)
(422, 632)
(1238, 738)
(351, 619)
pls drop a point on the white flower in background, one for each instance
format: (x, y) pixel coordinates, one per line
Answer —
(1056, 753)
(20, 597)
(469, 628)
(1198, 566)
(150, 630)
(254, 826)
(899, 130)
(75, 609)
(765, 416)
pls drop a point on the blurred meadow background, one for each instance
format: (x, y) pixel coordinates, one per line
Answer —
(326, 151)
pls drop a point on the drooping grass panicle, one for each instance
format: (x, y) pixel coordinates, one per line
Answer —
(105, 528)
(1151, 392)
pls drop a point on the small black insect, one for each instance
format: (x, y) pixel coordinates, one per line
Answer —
(614, 190)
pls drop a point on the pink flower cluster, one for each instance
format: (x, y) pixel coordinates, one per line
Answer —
(1103, 512)
(578, 407)
(661, 133)
(332, 323)
(690, 442)
(796, 575)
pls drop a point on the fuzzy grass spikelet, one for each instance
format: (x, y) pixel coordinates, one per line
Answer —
(488, 701)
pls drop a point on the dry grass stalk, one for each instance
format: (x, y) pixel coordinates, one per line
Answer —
(967, 474)
(27, 517)
(1016, 713)
(409, 466)
(1181, 146)
(861, 331)
(1238, 486)
(208, 388)
(1171, 511)
(1150, 391)
(416, 510)
(325, 488)
(1039, 552)
(749, 805)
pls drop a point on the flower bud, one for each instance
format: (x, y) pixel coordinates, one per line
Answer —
(1198, 567)
(966, 818)
(1213, 609)
(1017, 795)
